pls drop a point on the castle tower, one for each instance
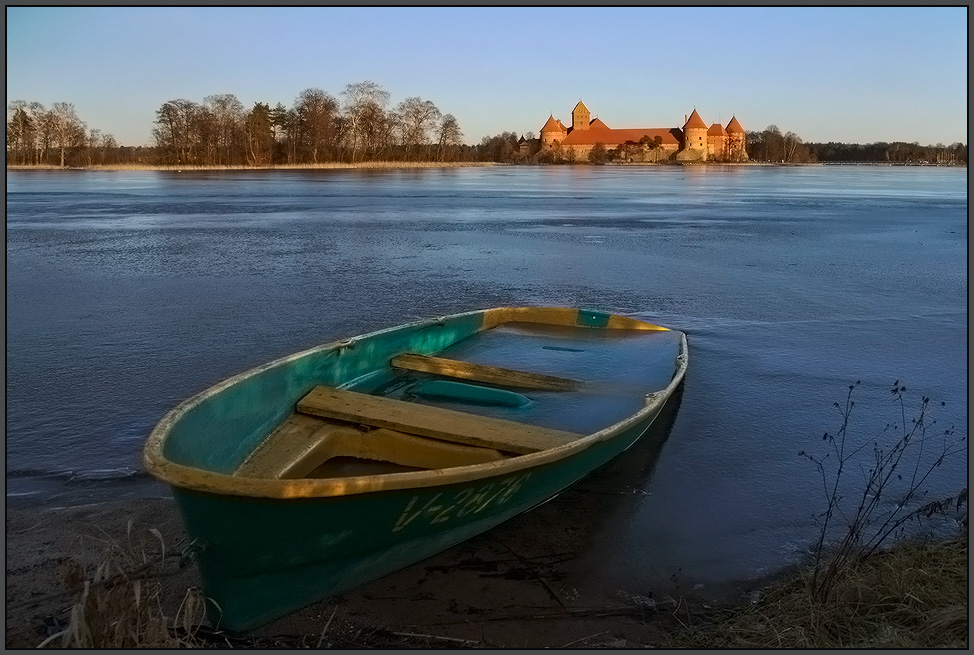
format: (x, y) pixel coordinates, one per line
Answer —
(552, 132)
(736, 144)
(716, 142)
(580, 117)
(695, 133)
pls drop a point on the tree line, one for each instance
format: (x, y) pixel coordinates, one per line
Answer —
(361, 125)
(318, 128)
(37, 135)
(770, 145)
(220, 131)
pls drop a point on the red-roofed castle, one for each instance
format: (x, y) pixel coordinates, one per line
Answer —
(695, 142)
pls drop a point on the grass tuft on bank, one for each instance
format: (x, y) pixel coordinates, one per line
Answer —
(870, 585)
(913, 596)
(121, 602)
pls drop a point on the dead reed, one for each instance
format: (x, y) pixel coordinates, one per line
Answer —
(122, 603)
(913, 596)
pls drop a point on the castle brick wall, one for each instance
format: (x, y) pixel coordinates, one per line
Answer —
(695, 138)
(716, 146)
(549, 139)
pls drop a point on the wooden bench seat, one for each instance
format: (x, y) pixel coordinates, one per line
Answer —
(294, 449)
(507, 377)
(303, 443)
(434, 422)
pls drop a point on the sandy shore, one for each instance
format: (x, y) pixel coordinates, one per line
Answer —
(519, 585)
(532, 582)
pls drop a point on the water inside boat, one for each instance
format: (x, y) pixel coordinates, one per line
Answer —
(554, 384)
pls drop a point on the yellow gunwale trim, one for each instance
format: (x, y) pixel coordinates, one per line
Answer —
(196, 479)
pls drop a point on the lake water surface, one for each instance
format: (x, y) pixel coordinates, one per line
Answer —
(127, 292)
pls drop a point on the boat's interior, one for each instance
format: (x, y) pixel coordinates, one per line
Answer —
(515, 389)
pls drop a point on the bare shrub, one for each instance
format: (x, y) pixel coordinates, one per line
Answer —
(869, 584)
(898, 468)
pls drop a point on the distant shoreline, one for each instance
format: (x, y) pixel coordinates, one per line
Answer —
(394, 165)
(288, 167)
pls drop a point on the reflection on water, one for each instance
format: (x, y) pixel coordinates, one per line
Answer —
(129, 291)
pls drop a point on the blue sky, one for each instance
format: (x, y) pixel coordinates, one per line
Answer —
(861, 74)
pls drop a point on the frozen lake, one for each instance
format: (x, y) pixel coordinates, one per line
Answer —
(127, 292)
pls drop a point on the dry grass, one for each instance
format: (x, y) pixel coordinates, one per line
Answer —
(122, 605)
(869, 586)
(914, 596)
(854, 595)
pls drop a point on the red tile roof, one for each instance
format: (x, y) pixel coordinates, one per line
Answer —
(607, 136)
(597, 124)
(553, 125)
(695, 122)
(734, 127)
(716, 130)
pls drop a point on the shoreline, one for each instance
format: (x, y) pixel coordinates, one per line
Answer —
(512, 587)
(517, 585)
(393, 165)
(376, 165)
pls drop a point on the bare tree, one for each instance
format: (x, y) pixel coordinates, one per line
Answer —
(449, 137)
(316, 112)
(93, 149)
(790, 142)
(109, 149)
(22, 131)
(395, 138)
(42, 131)
(774, 143)
(378, 130)
(418, 119)
(67, 130)
(226, 117)
(177, 131)
(365, 112)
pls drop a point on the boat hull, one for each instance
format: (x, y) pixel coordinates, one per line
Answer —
(266, 547)
(261, 558)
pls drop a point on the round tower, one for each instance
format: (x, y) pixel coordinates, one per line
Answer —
(552, 132)
(736, 140)
(695, 134)
(717, 142)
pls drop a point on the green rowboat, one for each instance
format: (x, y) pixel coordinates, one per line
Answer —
(320, 471)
